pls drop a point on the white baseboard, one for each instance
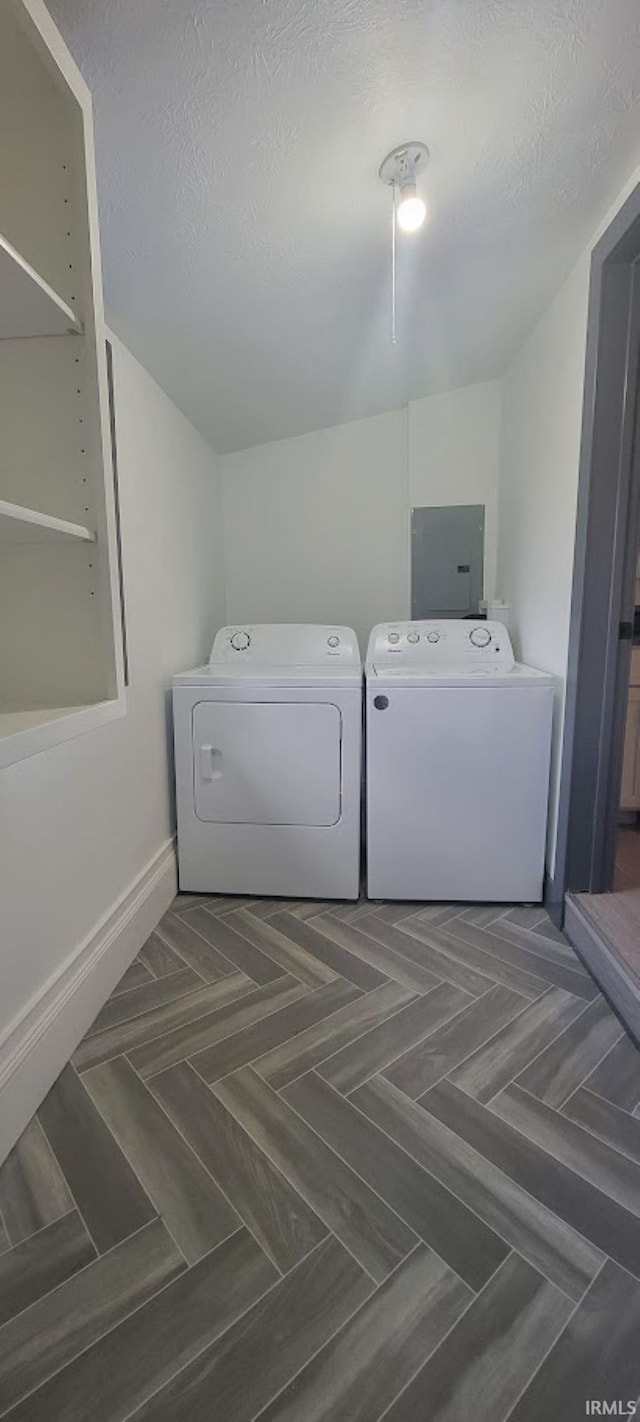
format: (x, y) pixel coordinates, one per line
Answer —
(40, 1040)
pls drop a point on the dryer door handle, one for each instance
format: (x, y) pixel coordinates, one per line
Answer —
(210, 761)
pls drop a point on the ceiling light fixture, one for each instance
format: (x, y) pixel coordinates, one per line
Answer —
(399, 170)
(411, 210)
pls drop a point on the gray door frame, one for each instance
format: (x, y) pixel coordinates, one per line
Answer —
(607, 523)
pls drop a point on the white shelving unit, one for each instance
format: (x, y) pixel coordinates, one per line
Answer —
(20, 525)
(60, 636)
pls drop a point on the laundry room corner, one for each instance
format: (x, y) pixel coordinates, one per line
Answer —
(317, 527)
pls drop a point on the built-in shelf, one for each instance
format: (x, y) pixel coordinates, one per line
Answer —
(11, 722)
(24, 732)
(61, 663)
(28, 305)
(21, 525)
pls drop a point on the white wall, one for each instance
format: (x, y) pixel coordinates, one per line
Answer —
(84, 818)
(454, 456)
(542, 400)
(317, 527)
(542, 413)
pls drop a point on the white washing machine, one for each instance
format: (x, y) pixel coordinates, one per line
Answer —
(458, 750)
(268, 746)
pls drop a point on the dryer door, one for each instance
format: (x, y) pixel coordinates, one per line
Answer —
(267, 763)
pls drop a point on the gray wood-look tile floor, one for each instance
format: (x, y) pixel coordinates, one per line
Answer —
(331, 1163)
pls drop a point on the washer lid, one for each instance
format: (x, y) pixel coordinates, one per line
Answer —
(476, 676)
(447, 652)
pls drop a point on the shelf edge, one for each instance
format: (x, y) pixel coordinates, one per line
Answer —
(48, 523)
(74, 322)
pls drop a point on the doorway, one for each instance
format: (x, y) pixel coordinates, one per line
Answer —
(590, 887)
(626, 871)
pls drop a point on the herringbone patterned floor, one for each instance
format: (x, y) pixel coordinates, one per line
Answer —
(317, 1161)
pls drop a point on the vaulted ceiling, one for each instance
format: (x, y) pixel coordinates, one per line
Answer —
(246, 235)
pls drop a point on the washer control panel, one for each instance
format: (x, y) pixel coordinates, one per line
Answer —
(480, 637)
(285, 645)
(464, 644)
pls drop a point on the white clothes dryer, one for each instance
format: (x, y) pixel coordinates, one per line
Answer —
(457, 764)
(268, 751)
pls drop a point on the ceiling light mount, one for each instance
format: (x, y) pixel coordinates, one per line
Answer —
(402, 164)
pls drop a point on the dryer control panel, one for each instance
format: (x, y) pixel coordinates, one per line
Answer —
(285, 645)
(445, 642)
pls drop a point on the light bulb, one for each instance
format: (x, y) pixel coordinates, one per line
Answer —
(411, 210)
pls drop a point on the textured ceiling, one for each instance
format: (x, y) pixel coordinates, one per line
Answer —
(245, 232)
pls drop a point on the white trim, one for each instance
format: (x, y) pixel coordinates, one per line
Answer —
(37, 21)
(610, 971)
(39, 1041)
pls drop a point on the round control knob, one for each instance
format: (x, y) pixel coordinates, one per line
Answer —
(393, 637)
(480, 637)
(240, 641)
(433, 636)
(333, 641)
(413, 637)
